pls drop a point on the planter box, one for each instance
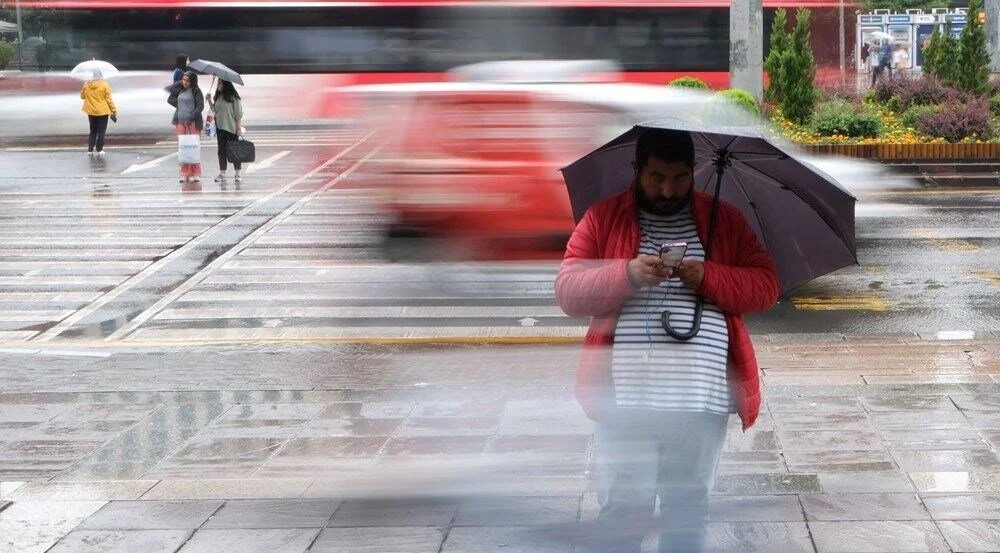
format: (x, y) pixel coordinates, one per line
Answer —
(909, 151)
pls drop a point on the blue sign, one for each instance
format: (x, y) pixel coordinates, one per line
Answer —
(869, 19)
(956, 30)
(899, 19)
(955, 18)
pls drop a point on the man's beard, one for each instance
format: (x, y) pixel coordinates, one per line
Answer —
(662, 206)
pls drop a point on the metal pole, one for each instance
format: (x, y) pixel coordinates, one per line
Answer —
(746, 46)
(992, 8)
(843, 52)
(20, 34)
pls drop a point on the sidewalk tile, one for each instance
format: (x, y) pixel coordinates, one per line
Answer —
(756, 508)
(839, 461)
(977, 402)
(829, 440)
(864, 482)
(753, 440)
(878, 537)
(82, 491)
(421, 539)
(751, 462)
(348, 428)
(284, 513)
(251, 429)
(151, 515)
(279, 540)
(972, 535)
(946, 460)
(747, 484)
(934, 439)
(203, 448)
(864, 506)
(121, 541)
(813, 404)
(934, 403)
(790, 421)
(544, 425)
(7, 488)
(274, 411)
(450, 426)
(245, 488)
(473, 408)
(89, 412)
(332, 447)
(518, 511)
(367, 410)
(962, 506)
(513, 539)
(33, 526)
(759, 537)
(436, 445)
(395, 512)
(957, 481)
(205, 468)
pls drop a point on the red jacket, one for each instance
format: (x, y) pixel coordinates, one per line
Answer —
(740, 278)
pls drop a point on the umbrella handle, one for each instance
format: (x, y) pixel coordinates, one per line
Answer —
(721, 161)
(695, 323)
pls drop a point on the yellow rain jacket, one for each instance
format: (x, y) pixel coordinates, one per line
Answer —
(97, 100)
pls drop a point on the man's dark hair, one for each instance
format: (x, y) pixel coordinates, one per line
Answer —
(181, 62)
(669, 145)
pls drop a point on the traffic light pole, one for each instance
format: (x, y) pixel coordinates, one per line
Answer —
(746, 46)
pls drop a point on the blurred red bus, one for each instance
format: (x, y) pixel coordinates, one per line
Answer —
(393, 41)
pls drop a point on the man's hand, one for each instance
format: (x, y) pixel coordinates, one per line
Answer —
(647, 270)
(691, 273)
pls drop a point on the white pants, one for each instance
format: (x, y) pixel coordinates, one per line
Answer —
(645, 455)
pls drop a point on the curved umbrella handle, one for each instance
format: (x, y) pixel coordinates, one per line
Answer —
(695, 323)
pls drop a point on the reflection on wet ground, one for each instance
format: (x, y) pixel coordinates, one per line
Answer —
(470, 448)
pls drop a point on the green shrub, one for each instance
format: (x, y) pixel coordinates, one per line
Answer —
(690, 82)
(7, 53)
(741, 98)
(995, 105)
(840, 117)
(911, 117)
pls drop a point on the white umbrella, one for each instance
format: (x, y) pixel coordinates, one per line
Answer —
(86, 70)
(881, 35)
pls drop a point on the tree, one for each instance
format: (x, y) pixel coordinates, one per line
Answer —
(948, 60)
(798, 72)
(778, 46)
(973, 56)
(932, 55)
(903, 5)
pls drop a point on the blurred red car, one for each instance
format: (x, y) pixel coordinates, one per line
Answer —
(471, 169)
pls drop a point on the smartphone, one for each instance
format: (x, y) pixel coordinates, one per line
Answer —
(672, 253)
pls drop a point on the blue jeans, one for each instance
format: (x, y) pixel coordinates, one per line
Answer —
(645, 455)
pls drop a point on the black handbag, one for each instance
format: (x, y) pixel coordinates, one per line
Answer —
(241, 151)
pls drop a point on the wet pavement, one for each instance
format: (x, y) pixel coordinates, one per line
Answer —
(126, 426)
(863, 444)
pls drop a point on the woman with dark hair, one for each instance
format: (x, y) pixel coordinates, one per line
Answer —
(180, 66)
(228, 122)
(189, 102)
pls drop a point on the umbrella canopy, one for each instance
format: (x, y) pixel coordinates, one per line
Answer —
(881, 36)
(32, 41)
(86, 71)
(217, 69)
(6, 27)
(801, 214)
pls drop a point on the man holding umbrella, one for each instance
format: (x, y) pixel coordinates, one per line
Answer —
(662, 397)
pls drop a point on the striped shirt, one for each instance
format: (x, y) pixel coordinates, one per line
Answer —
(650, 369)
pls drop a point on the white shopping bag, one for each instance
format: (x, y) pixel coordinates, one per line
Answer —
(189, 148)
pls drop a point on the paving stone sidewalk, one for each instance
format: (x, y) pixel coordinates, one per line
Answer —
(884, 444)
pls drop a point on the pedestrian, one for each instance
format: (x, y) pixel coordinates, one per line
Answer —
(180, 66)
(886, 59)
(99, 106)
(661, 404)
(189, 102)
(228, 112)
(901, 58)
(875, 62)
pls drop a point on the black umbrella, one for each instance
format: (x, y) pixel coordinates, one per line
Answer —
(803, 216)
(217, 69)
